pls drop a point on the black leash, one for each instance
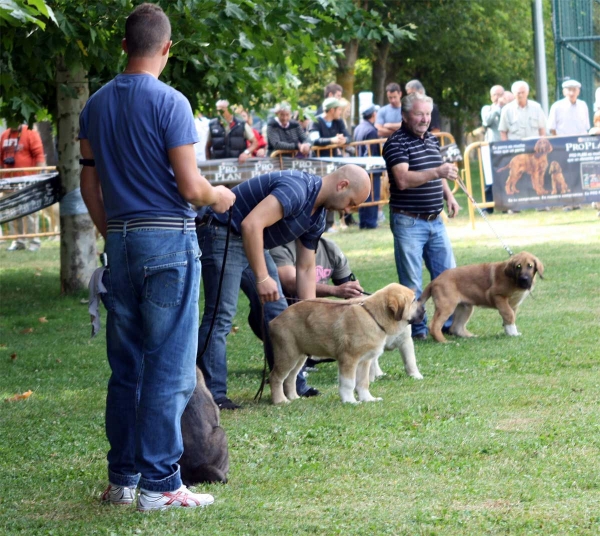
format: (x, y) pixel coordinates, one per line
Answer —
(218, 300)
(263, 381)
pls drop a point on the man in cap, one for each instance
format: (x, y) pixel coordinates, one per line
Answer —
(522, 118)
(366, 130)
(569, 116)
(329, 128)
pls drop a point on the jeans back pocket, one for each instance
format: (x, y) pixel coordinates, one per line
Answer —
(165, 279)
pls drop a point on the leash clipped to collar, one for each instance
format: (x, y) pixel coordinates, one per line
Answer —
(464, 189)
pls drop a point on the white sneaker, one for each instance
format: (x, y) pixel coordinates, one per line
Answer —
(181, 498)
(118, 495)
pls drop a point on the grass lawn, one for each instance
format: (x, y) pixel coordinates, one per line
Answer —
(501, 437)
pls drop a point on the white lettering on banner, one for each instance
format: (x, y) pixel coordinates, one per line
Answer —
(583, 146)
(228, 172)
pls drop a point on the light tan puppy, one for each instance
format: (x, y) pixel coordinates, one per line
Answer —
(499, 285)
(353, 332)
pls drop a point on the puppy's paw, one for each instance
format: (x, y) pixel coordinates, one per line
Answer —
(416, 375)
(511, 330)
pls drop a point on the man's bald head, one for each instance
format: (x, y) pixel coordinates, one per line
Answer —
(347, 186)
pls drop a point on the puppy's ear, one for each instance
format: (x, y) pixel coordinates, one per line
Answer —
(510, 270)
(396, 304)
(539, 267)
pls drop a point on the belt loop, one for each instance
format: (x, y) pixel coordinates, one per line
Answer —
(185, 225)
(124, 228)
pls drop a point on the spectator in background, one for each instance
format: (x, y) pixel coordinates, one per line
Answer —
(389, 117)
(366, 130)
(490, 114)
(329, 128)
(332, 90)
(569, 116)
(21, 147)
(490, 119)
(522, 118)
(285, 134)
(415, 86)
(202, 128)
(228, 136)
(262, 143)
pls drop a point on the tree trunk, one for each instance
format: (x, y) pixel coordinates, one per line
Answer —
(345, 68)
(78, 258)
(380, 72)
(45, 130)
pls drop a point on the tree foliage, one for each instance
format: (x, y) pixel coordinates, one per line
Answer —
(462, 48)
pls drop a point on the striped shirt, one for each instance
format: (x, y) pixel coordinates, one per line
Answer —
(403, 147)
(297, 192)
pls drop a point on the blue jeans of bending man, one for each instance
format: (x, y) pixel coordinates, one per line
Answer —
(152, 282)
(238, 274)
(416, 241)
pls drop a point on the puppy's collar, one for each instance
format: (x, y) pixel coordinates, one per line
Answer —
(362, 304)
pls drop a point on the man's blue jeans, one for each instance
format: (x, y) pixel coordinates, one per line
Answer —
(238, 274)
(152, 282)
(416, 241)
(368, 216)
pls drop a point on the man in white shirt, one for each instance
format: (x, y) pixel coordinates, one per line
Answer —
(569, 116)
(490, 114)
(522, 118)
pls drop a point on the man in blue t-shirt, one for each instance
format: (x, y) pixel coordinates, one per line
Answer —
(389, 117)
(270, 210)
(138, 179)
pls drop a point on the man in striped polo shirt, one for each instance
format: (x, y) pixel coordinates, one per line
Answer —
(418, 188)
(270, 210)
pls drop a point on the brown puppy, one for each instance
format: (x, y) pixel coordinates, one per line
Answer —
(559, 184)
(205, 454)
(533, 164)
(352, 331)
(500, 285)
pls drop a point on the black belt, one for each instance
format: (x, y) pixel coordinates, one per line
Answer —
(167, 224)
(427, 217)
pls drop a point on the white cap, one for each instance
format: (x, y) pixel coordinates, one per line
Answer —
(570, 83)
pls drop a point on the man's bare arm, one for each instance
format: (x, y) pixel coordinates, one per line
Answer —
(411, 179)
(263, 215)
(306, 274)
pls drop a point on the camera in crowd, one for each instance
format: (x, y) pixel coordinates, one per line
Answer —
(9, 161)
(451, 153)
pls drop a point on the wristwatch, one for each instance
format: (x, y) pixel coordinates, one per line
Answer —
(246, 151)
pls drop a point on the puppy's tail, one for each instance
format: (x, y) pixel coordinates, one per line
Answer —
(503, 168)
(426, 294)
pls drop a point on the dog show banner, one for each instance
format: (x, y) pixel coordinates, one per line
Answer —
(545, 172)
(33, 193)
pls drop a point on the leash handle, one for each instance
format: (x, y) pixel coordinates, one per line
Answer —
(464, 189)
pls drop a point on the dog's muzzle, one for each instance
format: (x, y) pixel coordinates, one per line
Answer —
(524, 282)
(418, 316)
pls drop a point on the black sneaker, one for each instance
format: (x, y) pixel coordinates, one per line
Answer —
(225, 403)
(419, 336)
(311, 391)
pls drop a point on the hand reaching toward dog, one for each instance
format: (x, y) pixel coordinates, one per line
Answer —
(267, 290)
(350, 289)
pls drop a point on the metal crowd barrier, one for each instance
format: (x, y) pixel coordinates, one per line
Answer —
(474, 148)
(49, 218)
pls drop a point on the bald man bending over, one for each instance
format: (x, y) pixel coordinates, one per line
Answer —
(270, 210)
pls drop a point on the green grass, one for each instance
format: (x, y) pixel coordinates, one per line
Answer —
(501, 437)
